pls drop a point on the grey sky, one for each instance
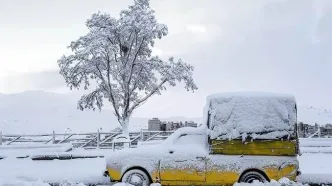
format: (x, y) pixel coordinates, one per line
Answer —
(276, 45)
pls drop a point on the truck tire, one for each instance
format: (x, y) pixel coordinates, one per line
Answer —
(250, 176)
(136, 177)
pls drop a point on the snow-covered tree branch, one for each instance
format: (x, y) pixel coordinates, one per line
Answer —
(116, 55)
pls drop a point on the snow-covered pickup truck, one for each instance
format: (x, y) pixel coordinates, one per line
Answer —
(244, 137)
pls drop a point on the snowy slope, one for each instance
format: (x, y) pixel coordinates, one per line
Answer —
(40, 112)
(312, 115)
(34, 112)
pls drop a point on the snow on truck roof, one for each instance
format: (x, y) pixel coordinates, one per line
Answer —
(258, 114)
(251, 94)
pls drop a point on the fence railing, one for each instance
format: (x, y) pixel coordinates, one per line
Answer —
(111, 140)
(82, 140)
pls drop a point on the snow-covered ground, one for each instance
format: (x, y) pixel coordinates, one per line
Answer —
(281, 182)
(86, 171)
(316, 168)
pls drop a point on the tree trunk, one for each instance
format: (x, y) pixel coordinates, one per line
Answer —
(125, 131)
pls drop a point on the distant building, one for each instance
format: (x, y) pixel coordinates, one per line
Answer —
(326, 131)
(306, 130)
(190, 124)
(154, 124)
(170, 126)
(163, 126)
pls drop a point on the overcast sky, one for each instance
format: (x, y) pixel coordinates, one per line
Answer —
(235, 45)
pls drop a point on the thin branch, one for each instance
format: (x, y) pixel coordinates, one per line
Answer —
(76, 66)
(116, 60)
(109, 84)
(132, 66)
(147, 96)
(127, 93)
(131, 46)
(109, 39)
(136, 80)
(120, 44)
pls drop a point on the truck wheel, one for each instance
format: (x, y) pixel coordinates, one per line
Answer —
(250, 176)
(136, 177)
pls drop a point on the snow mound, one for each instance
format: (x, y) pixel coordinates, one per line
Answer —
(27, 182)
(127, 184)
(122, 184)
(70, 183)
(261, 115)
(15, 182)
(281, 182)
(155, 184)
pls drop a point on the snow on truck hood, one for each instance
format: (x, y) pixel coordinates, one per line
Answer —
(262, 115)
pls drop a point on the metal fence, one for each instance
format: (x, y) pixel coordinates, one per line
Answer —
(110, 140)
(83, 140)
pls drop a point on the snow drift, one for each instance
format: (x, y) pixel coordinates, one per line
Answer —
(281, 182)
(260, 115)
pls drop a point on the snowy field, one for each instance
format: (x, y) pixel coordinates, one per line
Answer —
(316, 168)
(87, 171)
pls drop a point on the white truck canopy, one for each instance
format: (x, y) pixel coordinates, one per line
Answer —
(258, 115)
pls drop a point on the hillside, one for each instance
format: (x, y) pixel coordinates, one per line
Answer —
(312, 115)
(40, 112)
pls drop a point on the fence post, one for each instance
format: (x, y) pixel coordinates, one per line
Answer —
(98, 139)
(53, 137)
(0, 137)
(141, 134)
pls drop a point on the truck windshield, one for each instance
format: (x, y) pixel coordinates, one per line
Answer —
(191, 139)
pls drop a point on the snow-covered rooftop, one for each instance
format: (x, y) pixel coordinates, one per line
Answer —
(237, 114)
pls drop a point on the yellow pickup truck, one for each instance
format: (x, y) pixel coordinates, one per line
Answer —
(218, 152)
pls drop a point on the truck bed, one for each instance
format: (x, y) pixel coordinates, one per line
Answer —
(255, 147)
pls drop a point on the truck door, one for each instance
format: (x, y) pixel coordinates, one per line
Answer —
(185, 162)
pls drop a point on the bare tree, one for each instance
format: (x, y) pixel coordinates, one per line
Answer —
(116, 55)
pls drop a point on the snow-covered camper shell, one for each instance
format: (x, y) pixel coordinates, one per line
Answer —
(222, 151)
(252, 123)
(251, 114)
